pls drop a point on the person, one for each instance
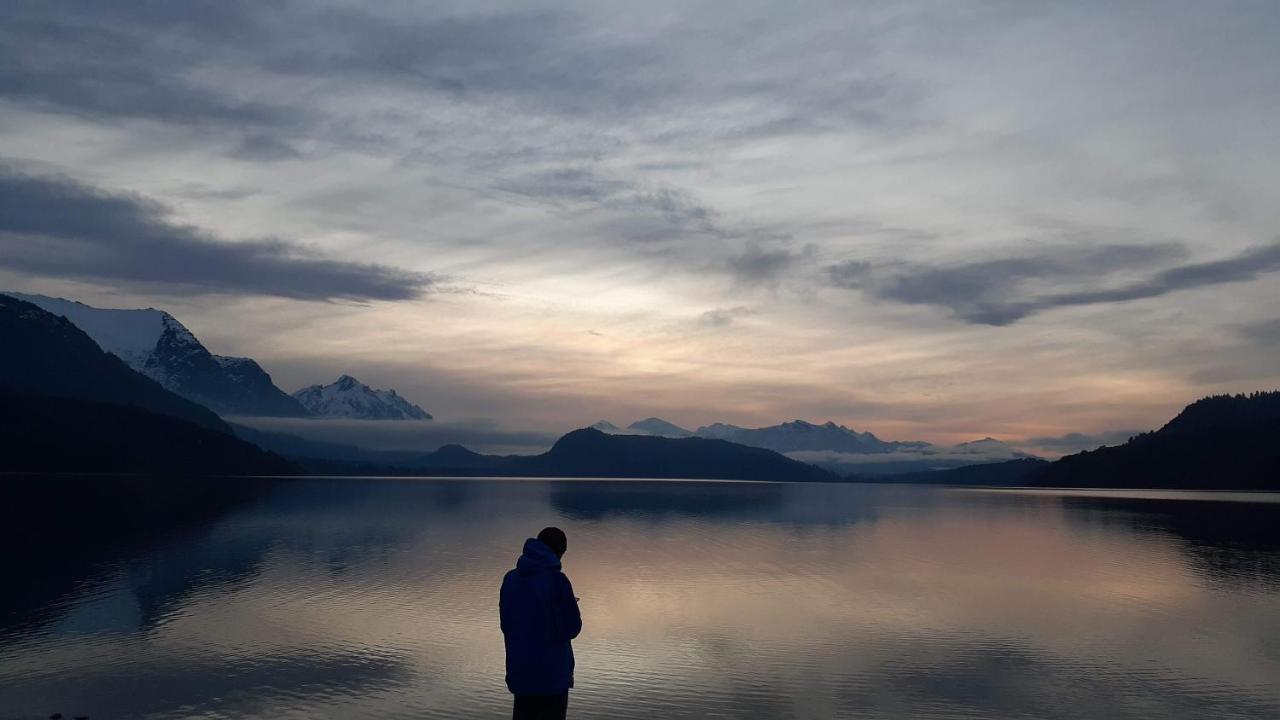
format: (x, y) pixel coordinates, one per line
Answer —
(539, 616)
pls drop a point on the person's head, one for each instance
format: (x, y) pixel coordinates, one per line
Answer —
(553, 537)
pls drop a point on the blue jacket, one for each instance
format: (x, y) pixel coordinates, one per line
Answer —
(539, 618)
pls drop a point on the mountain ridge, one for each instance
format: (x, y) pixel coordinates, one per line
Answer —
(347, 397)
(1220, 442)
(67, 405)
(157, 345)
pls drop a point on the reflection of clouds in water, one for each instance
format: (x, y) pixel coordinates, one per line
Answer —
(747, 600)
(207, 685)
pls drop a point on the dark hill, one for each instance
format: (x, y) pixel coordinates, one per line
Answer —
(51, 434)
(581, 453)
(1220, 443)
(591, 453)
(45, 354)
(1011, 473)
(68, 406)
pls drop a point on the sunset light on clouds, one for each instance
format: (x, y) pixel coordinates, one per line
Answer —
(928, 221)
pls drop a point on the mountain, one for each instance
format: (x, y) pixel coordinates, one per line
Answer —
(989, 447)
(155, 344)
(591, 453)
(1010, 473)
(799, 435)
(1224, 442)
(68, 406)
(719, 431)
(47, 434)
(582, 453)
(350, 398)
(1221, 442)
(45, 354)
(835, 447)
(658, 427)
(787, 437)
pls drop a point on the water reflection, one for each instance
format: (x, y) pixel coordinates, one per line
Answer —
(341, 598)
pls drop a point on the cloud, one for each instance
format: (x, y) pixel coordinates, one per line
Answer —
(912, 459)
(572, 184)
(1266, 332)
(480, 435)
(111, 62)
(265, 148)
(723, 317)
(757, 265)
(1003, 291)
(54, 226)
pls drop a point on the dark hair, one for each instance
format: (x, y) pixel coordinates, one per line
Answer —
(553, 537)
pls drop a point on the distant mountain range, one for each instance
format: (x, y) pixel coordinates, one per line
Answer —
(582, 453)
(835, 447)
(793, 436)
(787, 437)
(156, 344)
(67, 405)
(349, 398)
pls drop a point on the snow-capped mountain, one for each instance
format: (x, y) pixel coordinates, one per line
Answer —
(719, 431)
(658, 427)
(836, 447)
(350, 398)
(155, 344)
(800, 435)
(793, 436)
(990, 447)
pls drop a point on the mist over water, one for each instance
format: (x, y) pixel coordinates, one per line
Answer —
(340, 598)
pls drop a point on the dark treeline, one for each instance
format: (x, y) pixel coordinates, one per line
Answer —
(1221, 442)
(1224, 442)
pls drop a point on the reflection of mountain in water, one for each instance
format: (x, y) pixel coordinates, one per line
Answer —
(654, 501)
(1232, 543)
(729, 502)
(76, 531)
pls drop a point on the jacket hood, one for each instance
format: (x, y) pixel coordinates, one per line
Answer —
(537, 557)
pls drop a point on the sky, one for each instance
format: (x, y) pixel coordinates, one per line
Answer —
(1043, 222)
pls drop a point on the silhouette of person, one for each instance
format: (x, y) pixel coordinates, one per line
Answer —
(540, 618)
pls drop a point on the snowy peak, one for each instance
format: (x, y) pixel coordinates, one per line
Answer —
(658, 427)
(605, 426)
(130, 335)
(798, 435)
(155, 344)
(989, 446)
(347, 397)
(719, 431)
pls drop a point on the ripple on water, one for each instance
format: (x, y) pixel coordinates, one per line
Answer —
(378, 599)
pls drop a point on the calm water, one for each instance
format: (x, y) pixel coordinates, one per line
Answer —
(378, 598)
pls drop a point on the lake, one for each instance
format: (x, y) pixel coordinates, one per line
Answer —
(377, 598)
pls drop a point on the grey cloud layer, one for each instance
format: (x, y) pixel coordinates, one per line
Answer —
(55, 226)
(104, 60)
(679, 161)
(142, 60)
(1000, 292)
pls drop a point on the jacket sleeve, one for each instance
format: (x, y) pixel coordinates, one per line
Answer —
(568, 618)
(503, 609)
